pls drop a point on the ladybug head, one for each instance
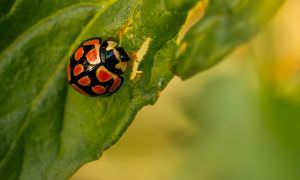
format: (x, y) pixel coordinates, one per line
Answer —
(112, 46)
(123, 54)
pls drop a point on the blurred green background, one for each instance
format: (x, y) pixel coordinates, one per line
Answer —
(238, 121)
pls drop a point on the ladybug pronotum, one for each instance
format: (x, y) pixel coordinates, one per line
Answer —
(96, 67)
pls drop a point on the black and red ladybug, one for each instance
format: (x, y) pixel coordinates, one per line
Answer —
(96, 67)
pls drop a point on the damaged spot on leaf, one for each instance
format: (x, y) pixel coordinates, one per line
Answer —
(182, 48)
(138, 57)
(194, 16)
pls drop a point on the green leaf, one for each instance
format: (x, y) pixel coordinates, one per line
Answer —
(226, 25)
(47, 130)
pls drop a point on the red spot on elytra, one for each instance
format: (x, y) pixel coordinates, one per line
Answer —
(79, 90)
(84, 81)
(98, 89)
(116, 84)
(78, 69)
(93, 56)
(78, 54)
(103, 74)
(94, 42)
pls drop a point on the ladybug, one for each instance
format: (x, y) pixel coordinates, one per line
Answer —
(96, 67)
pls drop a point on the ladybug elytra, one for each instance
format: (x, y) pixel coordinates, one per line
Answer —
(96, 67)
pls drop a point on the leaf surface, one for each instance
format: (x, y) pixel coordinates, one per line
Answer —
(47, 130)
(226, 25)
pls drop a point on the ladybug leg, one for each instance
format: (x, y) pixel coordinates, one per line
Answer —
(135, 65)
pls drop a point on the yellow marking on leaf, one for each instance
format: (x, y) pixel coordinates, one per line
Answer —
(124, 29)
(194, 16)
(182, 48)
(139, 57)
